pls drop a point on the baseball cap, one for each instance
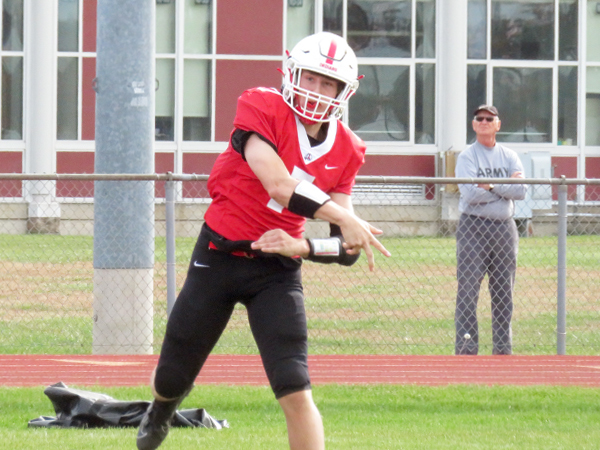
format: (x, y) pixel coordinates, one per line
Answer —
(489, 108)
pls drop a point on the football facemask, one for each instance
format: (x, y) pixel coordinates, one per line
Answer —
(325, 54)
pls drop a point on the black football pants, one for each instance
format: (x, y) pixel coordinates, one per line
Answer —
(216, 281)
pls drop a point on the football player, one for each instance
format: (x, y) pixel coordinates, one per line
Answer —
(289, 158)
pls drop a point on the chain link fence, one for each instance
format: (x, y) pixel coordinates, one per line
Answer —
(58, 296)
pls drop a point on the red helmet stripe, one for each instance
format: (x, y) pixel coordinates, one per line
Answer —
(331, 52)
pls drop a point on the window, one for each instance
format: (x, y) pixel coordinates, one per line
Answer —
(592, 90)
(523, 98)
(197, 71)
(184, 73)
(196, 100)
(592, 106)
(528, 53)
(164, 114)
(11, 58)
(68, 71)
(476, 93)
(567, 105)
(593, 31)
(184, 60)
(381, 106)
(523, 29)
(300, 21)
(567, 30)
(67, 94)
(394, 41)
(477, 29)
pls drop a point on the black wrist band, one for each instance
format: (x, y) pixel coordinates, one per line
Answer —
(307, 199)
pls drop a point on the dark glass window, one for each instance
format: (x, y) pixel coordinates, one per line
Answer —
(476, 94)
(380, 110)
(477, 29)
(12, 25)
(12, 98)
(567, 30)
(68, 25)
(567, 105)
(524, 100)
(523, 29)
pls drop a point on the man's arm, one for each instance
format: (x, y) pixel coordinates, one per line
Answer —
(513, 191)
(471, 193)
(275, 178)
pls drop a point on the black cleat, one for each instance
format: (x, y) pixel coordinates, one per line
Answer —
(155, 423)
(154, 427)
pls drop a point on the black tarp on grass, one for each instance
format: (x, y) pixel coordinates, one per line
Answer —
(83, 409)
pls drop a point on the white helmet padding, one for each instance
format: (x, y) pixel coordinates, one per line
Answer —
(326, 54)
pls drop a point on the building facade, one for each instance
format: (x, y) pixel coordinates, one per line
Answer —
(427, 64)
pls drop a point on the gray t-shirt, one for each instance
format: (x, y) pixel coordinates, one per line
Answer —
(479, 161)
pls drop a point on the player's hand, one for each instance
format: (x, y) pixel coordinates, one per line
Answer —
(359, 234)
(280, 242)
(517, 175)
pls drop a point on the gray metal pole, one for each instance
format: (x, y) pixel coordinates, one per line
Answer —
(561, 309)
(124, 210)
(170, 232)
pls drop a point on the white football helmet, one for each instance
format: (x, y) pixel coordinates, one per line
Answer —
(326, 54)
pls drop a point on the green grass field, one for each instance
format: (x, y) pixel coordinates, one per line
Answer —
(355, 417)
(405, 307)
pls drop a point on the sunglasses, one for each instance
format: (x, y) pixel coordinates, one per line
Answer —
(487, 119)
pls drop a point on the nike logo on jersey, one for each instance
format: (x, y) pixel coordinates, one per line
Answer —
(196, 264)
(328, 167)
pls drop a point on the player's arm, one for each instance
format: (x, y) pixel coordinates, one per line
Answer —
(307, 200)
(270, 170)
(322, 250)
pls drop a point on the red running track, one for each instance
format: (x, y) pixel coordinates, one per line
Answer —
(127, 370)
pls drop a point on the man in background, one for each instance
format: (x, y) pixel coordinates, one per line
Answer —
(487, 238)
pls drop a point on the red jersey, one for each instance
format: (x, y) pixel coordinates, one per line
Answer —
(241, 208)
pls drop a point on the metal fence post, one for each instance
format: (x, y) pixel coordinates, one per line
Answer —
(561, 306)
(170, 232)
(124, 260)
